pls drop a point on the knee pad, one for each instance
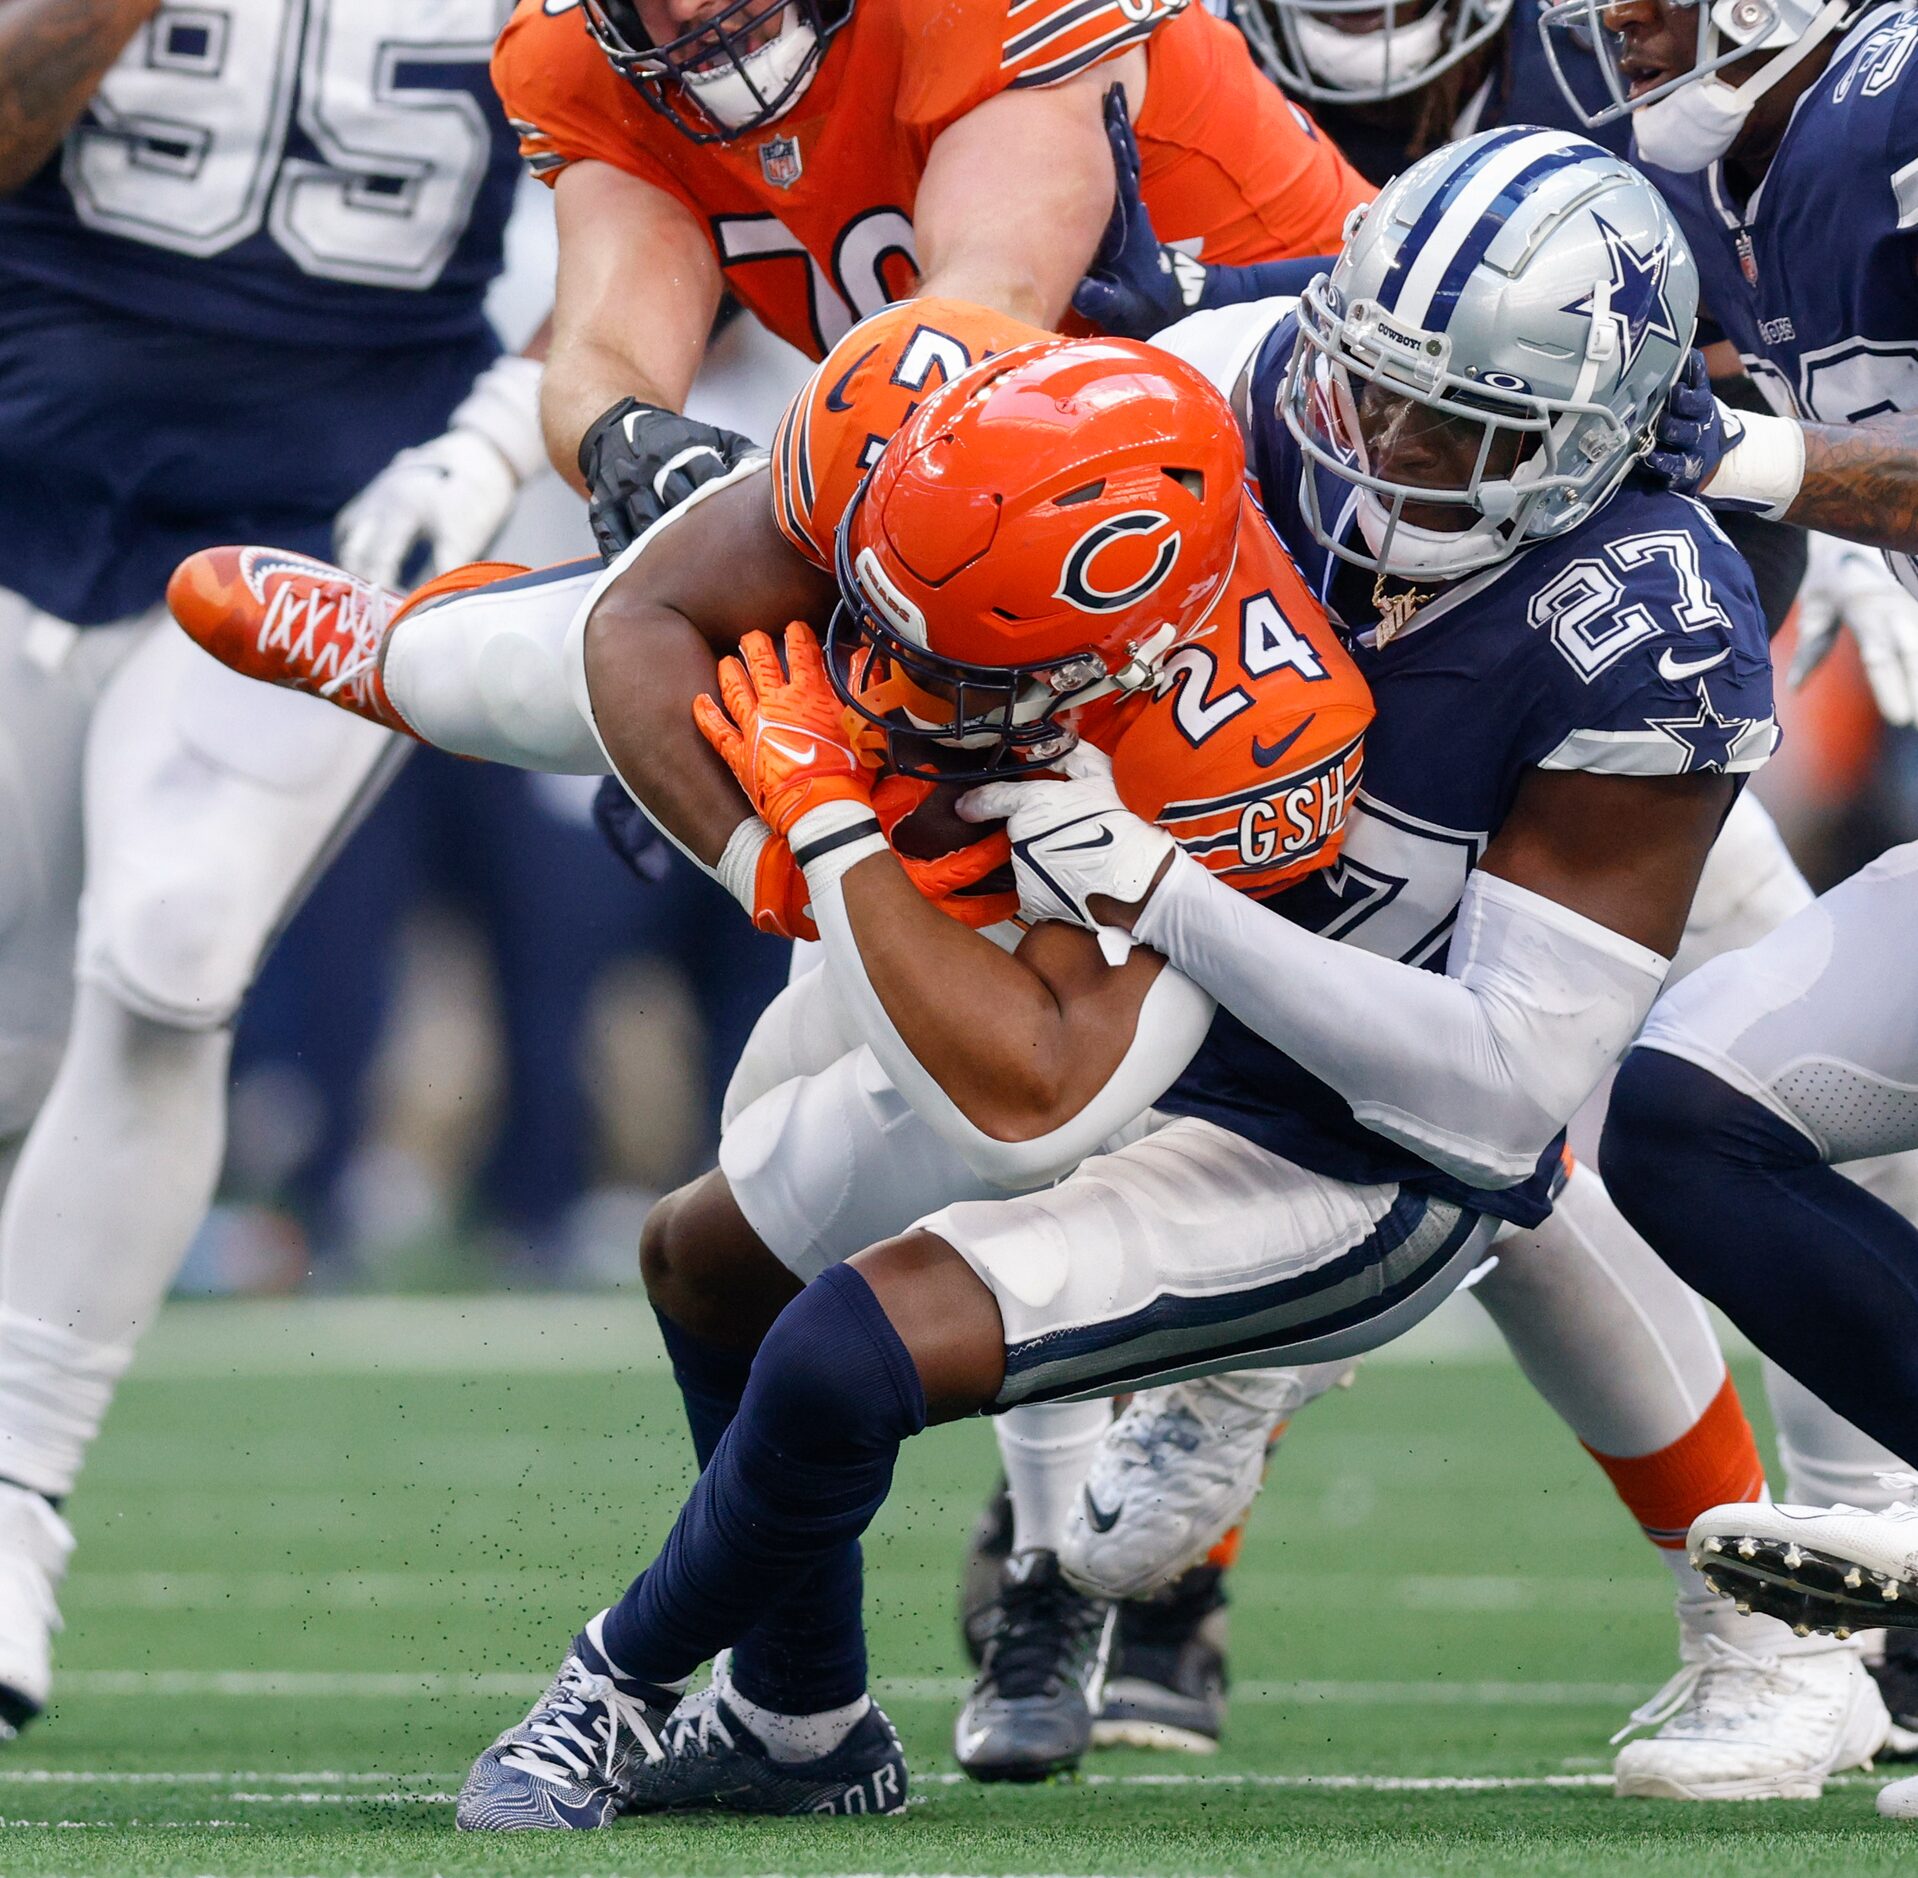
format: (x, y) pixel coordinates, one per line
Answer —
(176, 953)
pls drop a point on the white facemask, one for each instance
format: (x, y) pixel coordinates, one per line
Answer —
(1427, 553)
(1691, 128)
(1369, 62)
(724, 93)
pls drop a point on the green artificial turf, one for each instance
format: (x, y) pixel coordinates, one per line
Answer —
(326, 1552)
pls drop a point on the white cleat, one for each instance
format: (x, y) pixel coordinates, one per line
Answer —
(1838, 1568)
(35, 1545)
(1173, 1475)
(1738, 1725)
(1899, 1800)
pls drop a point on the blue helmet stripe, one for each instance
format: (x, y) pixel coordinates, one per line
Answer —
(1478, 241)
(1433, 213)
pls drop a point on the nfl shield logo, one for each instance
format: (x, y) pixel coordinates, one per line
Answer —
(1747, 259)
(779, 158)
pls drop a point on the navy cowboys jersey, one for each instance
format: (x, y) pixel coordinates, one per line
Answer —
(253, 271)
(1815, 278)
(1632, 645)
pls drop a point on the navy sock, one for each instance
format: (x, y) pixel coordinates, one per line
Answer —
(797, 1477)
(810, 1652)
(1820, 1274)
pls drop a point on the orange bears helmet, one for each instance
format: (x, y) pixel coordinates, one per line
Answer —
(1037, 535)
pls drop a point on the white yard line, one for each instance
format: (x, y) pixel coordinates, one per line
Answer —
(1462, 1594)
(355, 1684)
(500, 1334)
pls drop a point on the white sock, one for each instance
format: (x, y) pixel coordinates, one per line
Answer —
(790, 1738)
(485, 674)
(1046, 1449)
(113, 1181)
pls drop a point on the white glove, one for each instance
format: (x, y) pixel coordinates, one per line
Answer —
(1071, 840)
(1848, 584)
(455, 492)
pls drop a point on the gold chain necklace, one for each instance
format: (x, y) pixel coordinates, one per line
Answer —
(1394, 610)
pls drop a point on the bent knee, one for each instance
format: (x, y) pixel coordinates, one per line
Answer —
(178, 954)
(705, 1269)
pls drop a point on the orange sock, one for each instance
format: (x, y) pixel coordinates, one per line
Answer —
(1714, 1461)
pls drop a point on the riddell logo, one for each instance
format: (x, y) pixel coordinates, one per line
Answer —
(1078, 583)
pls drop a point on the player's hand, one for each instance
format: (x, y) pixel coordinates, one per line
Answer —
(1692, 433)
(1850, 585)
(440, 504)
(783, 734)
(1135, 286)
(955, 882)
(639, 460)
(1072, 841)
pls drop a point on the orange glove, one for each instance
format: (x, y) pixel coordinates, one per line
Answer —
(779, 894)
(949, 881)
(784, 737)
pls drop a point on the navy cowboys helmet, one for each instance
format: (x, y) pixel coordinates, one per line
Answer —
(1517, 304)
(743, 66)
(1359, 52)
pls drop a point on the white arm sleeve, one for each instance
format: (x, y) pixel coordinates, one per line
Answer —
(1475, 1070)
(1172, 1022)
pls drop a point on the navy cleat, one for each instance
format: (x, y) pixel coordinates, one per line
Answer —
(713, 1760)
(1167, 1686)
(572, 1763)
(1042, 1681)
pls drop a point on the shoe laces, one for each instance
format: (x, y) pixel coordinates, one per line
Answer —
(1724, 1680)
(580, 1721)
(699, 1726)
(1044, 1625)
(363, 616)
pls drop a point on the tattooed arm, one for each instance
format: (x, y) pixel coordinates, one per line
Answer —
(53, 54)
(1861, 482)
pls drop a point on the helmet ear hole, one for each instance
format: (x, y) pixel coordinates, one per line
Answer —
(1190, 480)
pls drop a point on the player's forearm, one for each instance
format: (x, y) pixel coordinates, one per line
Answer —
(53, 54)
(934, 978)
(1475, 1071)
(583, 378)
(1861, 482)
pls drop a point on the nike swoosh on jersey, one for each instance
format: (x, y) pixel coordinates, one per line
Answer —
(1096, 1515)
(1266, 754)
(1672, 667)
(834, 401)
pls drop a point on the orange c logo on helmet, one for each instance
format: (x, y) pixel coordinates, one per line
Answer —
(1076, 584)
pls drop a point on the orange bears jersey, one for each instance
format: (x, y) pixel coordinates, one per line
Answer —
(1248, 750)
(811, 217)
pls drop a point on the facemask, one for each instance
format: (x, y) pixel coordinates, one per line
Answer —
(1426, 553)
(725, 94)
(1691, 128)
(1382, 63)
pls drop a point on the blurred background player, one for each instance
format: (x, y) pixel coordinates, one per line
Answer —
(212, 219)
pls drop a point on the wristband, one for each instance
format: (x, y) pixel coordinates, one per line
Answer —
(737, 869)
(832, 838)
(503, 407)
(1764, 470)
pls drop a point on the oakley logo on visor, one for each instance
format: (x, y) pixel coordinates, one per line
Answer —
(1080, 586)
